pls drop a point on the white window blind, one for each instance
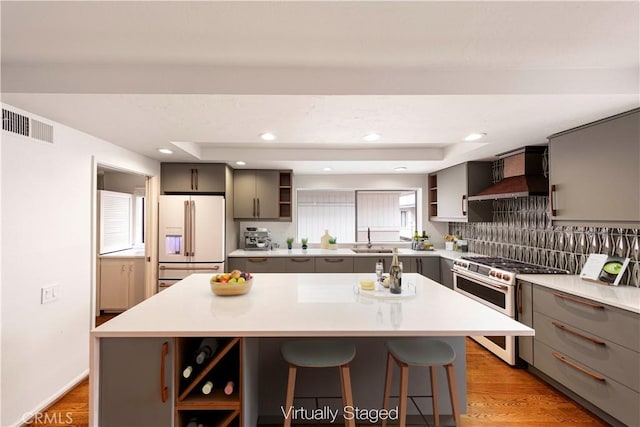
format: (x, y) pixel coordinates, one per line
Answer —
(320, 210)
(115, 221)
(379, 211)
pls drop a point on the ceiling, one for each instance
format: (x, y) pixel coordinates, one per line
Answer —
(205, 78)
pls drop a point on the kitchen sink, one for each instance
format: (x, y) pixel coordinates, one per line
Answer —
(372, 251)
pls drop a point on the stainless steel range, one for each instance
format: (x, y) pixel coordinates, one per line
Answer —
(491, 281)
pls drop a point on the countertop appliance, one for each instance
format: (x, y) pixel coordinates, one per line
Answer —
(491, 281)
(257, 239)
(191, 237)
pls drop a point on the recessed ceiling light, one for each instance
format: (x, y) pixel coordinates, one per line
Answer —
(372, 137)
(400, 168)
(327, 169)
(474, 136)
(165, 151)
(241, 163)
(267, 136)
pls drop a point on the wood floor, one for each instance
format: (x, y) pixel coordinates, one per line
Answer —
(498, 396)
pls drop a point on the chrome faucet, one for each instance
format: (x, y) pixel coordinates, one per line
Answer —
(369, 245)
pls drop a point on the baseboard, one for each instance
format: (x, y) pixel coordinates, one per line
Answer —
(46, 404)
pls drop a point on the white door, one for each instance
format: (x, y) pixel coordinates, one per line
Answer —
(173, 226)
(207, 224)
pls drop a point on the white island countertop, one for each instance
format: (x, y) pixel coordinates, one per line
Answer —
(308, 305)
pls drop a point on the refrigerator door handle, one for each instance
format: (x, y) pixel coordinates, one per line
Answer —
(186, 232)
(193, 227)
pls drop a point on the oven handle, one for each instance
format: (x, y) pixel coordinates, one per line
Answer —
(479, 280)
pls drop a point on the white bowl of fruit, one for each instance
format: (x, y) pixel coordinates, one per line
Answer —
(235, 283)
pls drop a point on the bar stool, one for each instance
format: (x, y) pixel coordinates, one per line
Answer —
(420, 352)
(319, 354)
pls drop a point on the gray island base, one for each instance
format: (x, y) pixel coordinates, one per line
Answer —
(137, 358)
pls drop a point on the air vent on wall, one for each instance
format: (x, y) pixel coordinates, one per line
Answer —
(26, 126)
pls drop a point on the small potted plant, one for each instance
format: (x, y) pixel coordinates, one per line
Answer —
(333, 243)
(304, 242)
(289, 243)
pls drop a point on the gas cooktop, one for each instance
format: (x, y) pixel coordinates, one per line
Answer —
(513, 266)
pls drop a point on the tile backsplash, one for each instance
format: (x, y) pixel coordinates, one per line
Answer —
(522, 230)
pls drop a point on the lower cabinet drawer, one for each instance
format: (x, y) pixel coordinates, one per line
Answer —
(265, 265)
(614, 324)
(607, 394)
(334, 265)
(611, 359)
(300, 265)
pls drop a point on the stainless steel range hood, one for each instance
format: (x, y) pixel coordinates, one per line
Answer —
(523, 175)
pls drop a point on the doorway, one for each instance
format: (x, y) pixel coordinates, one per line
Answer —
(122, 218)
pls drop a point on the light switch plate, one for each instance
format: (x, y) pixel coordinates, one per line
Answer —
(49, 293)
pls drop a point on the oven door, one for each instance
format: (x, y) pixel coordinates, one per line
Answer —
(503, 347)
(497, 296)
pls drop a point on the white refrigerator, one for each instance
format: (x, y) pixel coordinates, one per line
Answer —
(191, 237)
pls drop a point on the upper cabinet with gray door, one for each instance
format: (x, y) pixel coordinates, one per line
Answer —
(256, 194)
(188, 178)
(450, 188)
(594, 172)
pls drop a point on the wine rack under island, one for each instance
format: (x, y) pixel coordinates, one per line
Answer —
(211, 395)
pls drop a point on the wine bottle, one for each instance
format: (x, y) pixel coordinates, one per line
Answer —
(206, 350)
(228, 389)
(394, 274)
(207, 388)
(186, 373)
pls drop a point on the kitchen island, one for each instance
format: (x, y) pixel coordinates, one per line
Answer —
(279, 306)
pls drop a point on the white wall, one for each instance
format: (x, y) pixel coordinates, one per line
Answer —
(47, 220)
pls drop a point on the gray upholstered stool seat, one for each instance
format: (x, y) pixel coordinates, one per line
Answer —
(319, 354)
(420, 352)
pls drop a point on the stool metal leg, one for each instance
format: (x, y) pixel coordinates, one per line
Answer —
(433, 370)
(290, 390)
(387, 385)
(347, 392)
(453, 392)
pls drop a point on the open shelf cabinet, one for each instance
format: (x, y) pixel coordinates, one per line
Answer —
(433, 195)
(216, 408)
(285, 195)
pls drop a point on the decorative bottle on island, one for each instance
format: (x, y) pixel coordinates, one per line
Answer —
(395, 274)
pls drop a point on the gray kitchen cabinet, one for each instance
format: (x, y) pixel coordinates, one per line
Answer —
(594, 174)
(131, 383)
(236, 263)
(446, 275)
(334, 265)
(192, 178)
(428, 266)
(524, 312)
(590, 348)
(256, 194)
(264, 264)
(454, 185)
(300, 265)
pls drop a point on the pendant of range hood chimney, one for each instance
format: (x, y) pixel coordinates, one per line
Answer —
(523, 176)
